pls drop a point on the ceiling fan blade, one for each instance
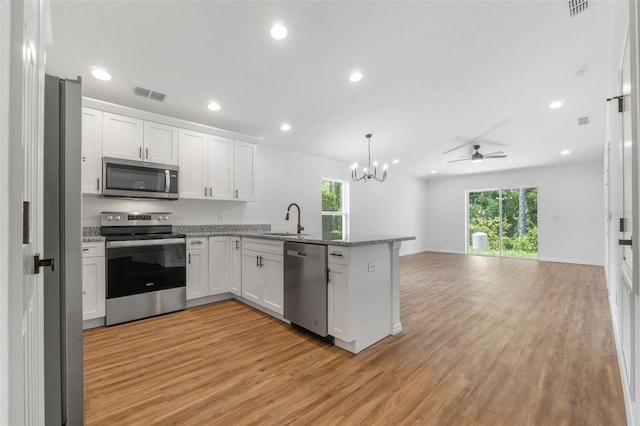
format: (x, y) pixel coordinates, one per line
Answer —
(456, 148)
(462, 159)
(495, 156)
(494, 153)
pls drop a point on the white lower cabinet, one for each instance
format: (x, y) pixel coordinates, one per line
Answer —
(93, 280)
(235, 252)
(263, 273)
(219, 265)
(338, 301)
(197, 268)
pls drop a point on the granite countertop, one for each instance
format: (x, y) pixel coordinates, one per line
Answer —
(92, 234)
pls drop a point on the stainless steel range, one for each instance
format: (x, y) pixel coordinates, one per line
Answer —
(146, 265)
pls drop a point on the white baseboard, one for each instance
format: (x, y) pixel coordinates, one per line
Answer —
(576, 261)
(450, 251)
(208, 299)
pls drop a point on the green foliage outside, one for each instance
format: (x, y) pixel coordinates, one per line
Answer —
(331, 202)
(519, 226)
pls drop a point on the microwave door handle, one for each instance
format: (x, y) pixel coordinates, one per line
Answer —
(167, 181)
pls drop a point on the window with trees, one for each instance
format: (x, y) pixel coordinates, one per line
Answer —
(503, 222)
(335, 208)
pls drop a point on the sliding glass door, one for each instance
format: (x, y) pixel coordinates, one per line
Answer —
(503, 222)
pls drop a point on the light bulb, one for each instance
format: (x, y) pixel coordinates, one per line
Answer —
(365, 170)
(375, 164)
(385, 167)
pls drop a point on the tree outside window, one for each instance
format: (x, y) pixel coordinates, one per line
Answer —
(334, 208)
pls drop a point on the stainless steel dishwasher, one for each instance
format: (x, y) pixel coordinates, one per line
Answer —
(305, 286)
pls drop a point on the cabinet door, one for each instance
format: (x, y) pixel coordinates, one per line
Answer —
(244, 170)
(236, 265)
(160, 143)
(221, 168)
(193, 164)
(273, 282)
(197, 273)
(251, 277)
(93, 287)
(219, 265)
(91, 150)
(122, 136)
(338, 302)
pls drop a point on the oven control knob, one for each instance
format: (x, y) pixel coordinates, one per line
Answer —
(159, 218)
(109, 217)
(166, 218)
(117, 217)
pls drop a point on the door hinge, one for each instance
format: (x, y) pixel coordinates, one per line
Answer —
(38, 263)
(620, 102)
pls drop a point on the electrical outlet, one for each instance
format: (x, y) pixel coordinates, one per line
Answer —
(373, 266)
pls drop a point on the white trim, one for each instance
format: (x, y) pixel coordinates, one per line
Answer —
(561, 260)
(623, 376)
(5, 245)
(163, 119)
(435, 250)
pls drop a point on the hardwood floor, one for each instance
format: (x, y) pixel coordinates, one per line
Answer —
(486, 341)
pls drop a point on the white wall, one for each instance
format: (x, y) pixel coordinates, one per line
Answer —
(570, 210)
(394, 207)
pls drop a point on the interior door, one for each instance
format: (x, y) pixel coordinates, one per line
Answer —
(628, 286)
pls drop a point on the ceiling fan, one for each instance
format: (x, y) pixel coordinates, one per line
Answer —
(478, 157)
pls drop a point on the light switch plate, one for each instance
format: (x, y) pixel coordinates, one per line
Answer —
(373, 266)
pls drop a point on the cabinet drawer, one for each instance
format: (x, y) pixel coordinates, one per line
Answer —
(338, 254)
(196, 243)
(264, 246)
(93, 249)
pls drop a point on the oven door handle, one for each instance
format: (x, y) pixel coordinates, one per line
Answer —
(143, 243)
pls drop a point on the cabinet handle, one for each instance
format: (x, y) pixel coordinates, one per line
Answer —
(336, 253)
(85, 249)
(146, 151)
(140, 152)
(98, 184)
(236, 193)
(261, 265)
(328, 275)
(189, 258)
(257, 261)
(237, 244)
(210, 191)
(84, 158)
(84, 292)
(205, 191)
(195, 242)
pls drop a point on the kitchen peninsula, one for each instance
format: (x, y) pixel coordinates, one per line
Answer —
(363, 289)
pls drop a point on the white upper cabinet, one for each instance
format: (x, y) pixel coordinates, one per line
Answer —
(221, 168)
(122, 137)
(193, 165)
(91, 150)
(245, 156)
(160, 143)
(134, 139)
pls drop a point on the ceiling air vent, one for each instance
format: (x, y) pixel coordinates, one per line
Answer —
(146, 93)
(584, 121)
(157, 96)
(577, 6)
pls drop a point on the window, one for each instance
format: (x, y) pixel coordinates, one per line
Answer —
(335, 208)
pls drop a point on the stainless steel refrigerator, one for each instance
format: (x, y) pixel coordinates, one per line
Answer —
(62, 243)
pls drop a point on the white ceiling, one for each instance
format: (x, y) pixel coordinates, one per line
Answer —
(436, 74)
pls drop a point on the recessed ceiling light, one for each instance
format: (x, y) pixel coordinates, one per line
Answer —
(278, 31)
(433, 172)
(285, 127)
(355, 76)
(396, 161)
(101, 74)
(565, 152)
(556, 104)
(214, 106)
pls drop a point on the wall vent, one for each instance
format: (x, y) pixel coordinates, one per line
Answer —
(146, 93)
(577, 6)
(584, 121)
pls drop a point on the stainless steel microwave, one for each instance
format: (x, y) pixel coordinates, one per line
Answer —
(139, 179)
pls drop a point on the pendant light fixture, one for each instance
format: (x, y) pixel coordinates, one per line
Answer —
(366, 172)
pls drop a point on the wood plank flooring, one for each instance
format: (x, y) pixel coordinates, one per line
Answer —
(486, 341)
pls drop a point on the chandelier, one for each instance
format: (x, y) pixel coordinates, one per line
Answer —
(366, 172)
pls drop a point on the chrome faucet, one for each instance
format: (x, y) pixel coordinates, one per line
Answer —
(300, 227)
